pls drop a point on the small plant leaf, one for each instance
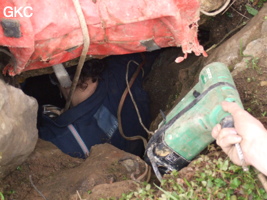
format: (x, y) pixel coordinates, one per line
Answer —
(235, 183)
(224, 165)
(168, 194)
(220, 195)
(219, 182)
(251, 10)
(2, 196)
(148, 187)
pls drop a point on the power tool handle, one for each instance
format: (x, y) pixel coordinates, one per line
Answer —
(227, 122)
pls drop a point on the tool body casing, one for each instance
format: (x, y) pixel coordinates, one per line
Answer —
(186, 131)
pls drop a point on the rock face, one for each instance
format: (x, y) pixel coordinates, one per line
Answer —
(210, 5)
(245, 53)
(18, 132)
(248, 44)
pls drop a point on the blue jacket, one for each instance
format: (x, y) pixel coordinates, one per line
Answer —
(94, 121)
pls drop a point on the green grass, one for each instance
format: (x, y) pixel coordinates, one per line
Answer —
(214, 178)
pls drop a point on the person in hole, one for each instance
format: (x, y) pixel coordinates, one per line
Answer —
(92, 118)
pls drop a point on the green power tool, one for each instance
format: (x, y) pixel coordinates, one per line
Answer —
(186, 130)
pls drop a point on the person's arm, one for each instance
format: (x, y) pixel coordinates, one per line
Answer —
(249, 132)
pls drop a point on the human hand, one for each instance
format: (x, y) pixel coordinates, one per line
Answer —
(248, 131)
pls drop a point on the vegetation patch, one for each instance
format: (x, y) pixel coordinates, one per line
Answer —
(214, 177)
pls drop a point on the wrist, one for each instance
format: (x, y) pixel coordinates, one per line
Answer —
(256, 154)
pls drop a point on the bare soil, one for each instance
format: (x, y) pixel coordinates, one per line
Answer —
(251, 84)
(42, 163)
(58, 176)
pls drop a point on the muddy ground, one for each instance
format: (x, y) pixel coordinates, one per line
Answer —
(167, 84)
(251, 85)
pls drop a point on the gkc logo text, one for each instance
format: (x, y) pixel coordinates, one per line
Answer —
(18, 11)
